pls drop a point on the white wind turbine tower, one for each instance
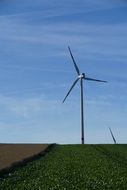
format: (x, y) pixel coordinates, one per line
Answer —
(81, 77)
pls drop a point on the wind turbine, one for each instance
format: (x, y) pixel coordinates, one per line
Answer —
(112, 136)
(81, 77)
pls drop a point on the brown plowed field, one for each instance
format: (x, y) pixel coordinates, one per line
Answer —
(13, 153)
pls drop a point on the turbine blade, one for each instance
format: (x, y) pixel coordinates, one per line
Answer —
(75, 65)
(112, 136)
(86, 78)
(71, 89)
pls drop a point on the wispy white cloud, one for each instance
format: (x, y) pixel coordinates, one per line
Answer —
(28, 108)
(93, 37)
(26, 68)
(64, 6)
(99, 42)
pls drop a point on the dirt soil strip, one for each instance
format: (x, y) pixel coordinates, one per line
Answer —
(14, 155)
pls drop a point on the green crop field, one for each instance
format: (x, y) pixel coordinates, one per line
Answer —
(68, 167)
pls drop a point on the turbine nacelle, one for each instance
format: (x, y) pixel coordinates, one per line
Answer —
(81, 76)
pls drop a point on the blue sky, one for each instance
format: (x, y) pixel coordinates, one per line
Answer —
(36, 70)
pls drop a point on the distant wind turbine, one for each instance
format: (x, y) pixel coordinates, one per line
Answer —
(82, 77)
(112, 136)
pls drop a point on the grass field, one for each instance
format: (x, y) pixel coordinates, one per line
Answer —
(68, 167)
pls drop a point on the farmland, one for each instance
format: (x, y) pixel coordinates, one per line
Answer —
(13, 153)
(68, 167)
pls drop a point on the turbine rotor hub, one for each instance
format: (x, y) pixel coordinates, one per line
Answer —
(81, 76)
